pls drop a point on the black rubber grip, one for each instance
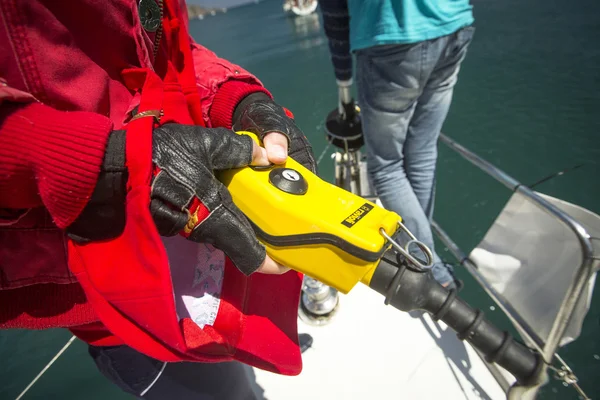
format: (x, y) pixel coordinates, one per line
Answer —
(407, 290)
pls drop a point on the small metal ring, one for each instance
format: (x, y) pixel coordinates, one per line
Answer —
(421, 246)
(405, 229)
(405, 252)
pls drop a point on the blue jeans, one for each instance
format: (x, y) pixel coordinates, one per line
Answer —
(150, 379)
(405, 91)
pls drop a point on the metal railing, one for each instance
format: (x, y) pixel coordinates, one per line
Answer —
(582, 275)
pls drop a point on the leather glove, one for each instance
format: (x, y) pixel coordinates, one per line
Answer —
(183, 188)
(258, 114)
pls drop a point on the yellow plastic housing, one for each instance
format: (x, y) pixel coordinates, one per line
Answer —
(327, 233)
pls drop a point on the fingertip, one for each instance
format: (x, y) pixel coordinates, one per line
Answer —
(277, 147)
(277, 154)
(269, 266)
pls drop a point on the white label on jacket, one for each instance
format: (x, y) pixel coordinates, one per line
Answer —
(197, 272)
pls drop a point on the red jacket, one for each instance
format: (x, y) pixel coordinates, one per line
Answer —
(69, 76)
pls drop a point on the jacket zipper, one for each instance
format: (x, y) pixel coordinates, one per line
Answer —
(159, 31)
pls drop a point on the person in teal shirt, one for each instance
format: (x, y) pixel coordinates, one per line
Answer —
(408, 56)
(382, 22)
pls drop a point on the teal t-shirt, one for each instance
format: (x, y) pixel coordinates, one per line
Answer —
(377, 22)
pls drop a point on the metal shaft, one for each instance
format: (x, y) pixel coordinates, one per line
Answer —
(344, 95)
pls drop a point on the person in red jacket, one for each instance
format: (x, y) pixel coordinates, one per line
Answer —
(112, 124)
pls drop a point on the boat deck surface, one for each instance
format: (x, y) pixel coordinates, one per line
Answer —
(373, 351)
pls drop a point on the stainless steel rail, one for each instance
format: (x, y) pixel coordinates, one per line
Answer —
(548, 347)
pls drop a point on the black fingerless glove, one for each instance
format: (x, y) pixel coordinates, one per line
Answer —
(258, 114)
(185, 195)
(185, 187)
(104, 215)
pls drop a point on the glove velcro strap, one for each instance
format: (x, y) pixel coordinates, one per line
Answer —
(197, 213)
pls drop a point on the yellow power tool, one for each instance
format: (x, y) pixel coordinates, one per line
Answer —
(341, 239)
(310, 225)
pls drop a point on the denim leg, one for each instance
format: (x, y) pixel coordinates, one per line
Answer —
(147, 378)
(390, 82)
(130, 370)
(405, 93)
(420, 149)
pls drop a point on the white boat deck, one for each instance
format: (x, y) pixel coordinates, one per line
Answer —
(373, 351)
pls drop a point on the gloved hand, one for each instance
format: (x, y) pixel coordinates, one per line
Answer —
(185, 195)
(258, 114)
(186, 157)
(184, 189)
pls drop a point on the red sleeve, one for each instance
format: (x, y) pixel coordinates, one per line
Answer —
(50, 158)
(227, 98)
(221, 85)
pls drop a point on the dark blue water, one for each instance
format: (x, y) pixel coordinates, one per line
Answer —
(527, 100)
